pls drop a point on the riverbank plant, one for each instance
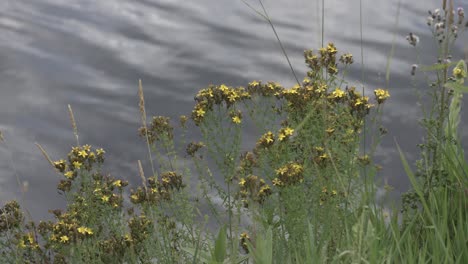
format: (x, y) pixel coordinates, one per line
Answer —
(303, 191)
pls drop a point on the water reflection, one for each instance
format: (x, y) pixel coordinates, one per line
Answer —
(90, 54)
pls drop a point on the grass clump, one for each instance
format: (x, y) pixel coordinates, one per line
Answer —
(304, 192)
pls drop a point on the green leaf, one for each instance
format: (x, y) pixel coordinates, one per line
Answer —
(410, 173)
(220, 245)
(263, 251)
(457, 87)
(437, 66)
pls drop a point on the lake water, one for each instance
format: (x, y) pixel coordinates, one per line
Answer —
(91, 53)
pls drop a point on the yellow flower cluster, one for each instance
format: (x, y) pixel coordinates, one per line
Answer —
(67, 229)
(253, 188)
(266, 90)
(193, 147)
(289, 174)
(337, 94)
(103, 190)
(236, 116)
(140, 228)
(80, 157)
(159, 129)
(266, 140)
(158, 190)
(285, 133)
(326, 60)
(358, 104)
(381, 95)
(320, 156)
(11, 216)
(248, 160)
(28, 241)
(326, 194)
(244, 237)
(216, 95)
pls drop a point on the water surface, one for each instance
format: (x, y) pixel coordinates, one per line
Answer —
(91, 53)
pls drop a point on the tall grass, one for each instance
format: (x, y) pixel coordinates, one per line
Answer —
(304, 193)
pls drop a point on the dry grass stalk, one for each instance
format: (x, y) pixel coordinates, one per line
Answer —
(142, 176)
(46, 155)
(451, 18)
(75, 129)
(141, 104)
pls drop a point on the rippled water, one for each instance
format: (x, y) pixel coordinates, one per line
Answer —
(91, 53)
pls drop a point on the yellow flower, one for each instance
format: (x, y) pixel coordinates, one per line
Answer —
(254, 83)
(323, 156)
(105, 198)
(60, 165)
(358, 102)
(296, 167)
(21, 244)
(458, 72)
(77, 164)
(100, 151)
(232, 97)
(242, 182)
(277, 182)
(82, 153)
(236, 120)
(381, 95)
(30, 238)
(338, 93)
(117, 183)
(281, 171)
(271, 86)
(288, 131)
(128, 238)
(200, 112)
(223, 88)
(87, 147)
(321, 88)
(84, 230)
(64, 239)
(134, 197)
(68, 174)
(206, 92)
(59, 162)
(331, 48)
(244, 235)
(75, 149)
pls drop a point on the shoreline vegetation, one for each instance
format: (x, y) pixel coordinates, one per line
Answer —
(304, 193)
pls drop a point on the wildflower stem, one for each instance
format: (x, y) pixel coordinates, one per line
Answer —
(143, 120)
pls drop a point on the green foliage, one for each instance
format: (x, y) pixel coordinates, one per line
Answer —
(304, 193)
(262, 253)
